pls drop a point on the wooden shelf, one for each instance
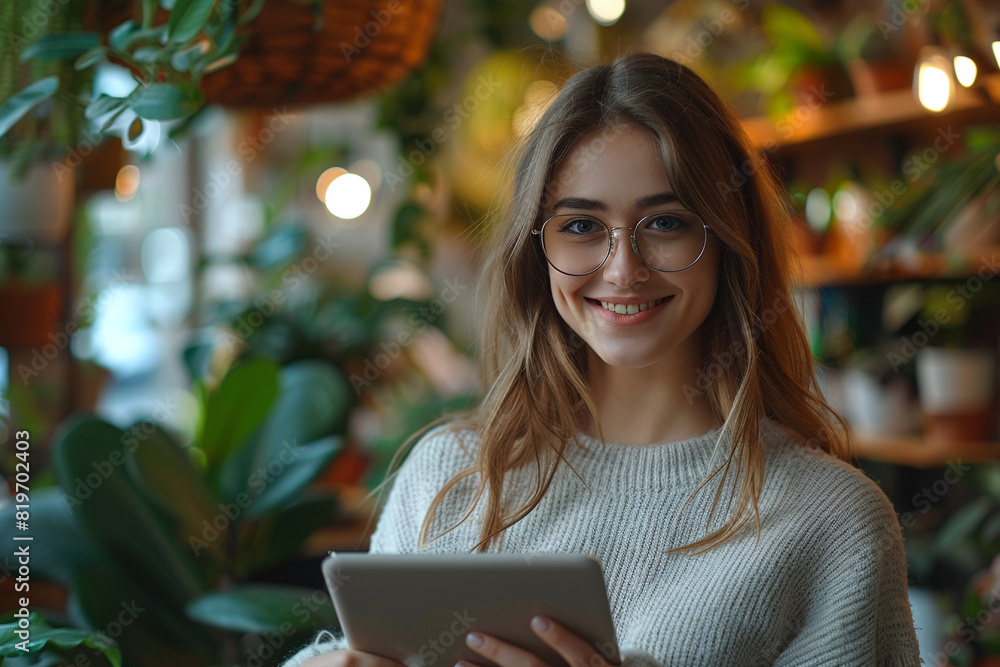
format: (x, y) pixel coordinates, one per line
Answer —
(890, 110)
(919, 452)
(825, 271)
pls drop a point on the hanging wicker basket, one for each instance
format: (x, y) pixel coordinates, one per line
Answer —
(361, 46)
(364, 45)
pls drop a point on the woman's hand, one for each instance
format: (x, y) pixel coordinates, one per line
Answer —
(577, 651)
(350, 658)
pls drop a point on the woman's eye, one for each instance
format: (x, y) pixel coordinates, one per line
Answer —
(667, 223)
(580, 226)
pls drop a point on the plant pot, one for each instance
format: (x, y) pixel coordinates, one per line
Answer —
(956, 392)
(873, 77)
(877, 408)
(362, 46)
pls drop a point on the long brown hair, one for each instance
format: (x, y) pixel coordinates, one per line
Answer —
(756, 361)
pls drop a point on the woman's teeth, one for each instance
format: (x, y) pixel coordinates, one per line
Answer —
(631, 308)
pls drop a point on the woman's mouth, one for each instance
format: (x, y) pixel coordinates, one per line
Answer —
(632, 308)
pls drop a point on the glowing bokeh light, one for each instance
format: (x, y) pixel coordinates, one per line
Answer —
(348, 196)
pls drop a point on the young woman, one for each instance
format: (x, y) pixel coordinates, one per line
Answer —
(650, 400)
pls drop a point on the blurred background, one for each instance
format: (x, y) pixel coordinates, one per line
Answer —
(238, 244)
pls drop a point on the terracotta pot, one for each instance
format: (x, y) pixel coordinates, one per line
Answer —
(362, 45)
(871, 77)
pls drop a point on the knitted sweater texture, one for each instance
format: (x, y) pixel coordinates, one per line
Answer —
(826, 583)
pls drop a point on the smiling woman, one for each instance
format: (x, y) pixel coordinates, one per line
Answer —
(639, 328)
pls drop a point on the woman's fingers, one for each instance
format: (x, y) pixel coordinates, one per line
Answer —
(350, 658)
(577, 651)
(500, 652)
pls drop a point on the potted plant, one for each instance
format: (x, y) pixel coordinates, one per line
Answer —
(175, 537)
(798, 67)
(955, 369)
(968, 544)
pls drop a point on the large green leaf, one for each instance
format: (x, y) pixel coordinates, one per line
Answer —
(314, 401)
(89, 459)
(237, 407)
(60, 549)
(61, 46)
(42, 635)
(165, 472)
(260, 608)
(163, 101)
(282, 483)
(29, 97)
(187, 19)
(106, 597)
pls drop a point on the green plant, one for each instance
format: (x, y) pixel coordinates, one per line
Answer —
(795, 47)
(167, 59)
(29, 636)
(969, 542)
(180, 533)
(943, 192)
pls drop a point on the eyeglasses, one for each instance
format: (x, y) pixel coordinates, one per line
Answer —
(667, 241)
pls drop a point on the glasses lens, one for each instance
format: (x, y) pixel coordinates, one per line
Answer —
(671, 240)
(575, 244)
(668, 241)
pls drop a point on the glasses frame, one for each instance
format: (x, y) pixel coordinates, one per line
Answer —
(611, 240)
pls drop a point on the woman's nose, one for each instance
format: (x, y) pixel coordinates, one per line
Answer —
(625, 266)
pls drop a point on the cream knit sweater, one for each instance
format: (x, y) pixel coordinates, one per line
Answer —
(825, 585)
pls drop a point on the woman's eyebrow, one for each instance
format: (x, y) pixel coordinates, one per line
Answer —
(597, 205)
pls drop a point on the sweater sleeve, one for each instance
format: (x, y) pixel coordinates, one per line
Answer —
(398, 525)
(857, 610)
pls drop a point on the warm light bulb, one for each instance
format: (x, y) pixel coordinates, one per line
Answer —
(348, 196)
(606, 12)
(126, 182)
(996, 52)
(325, 179)
(965, 70)
(547, 22)
(934, 85)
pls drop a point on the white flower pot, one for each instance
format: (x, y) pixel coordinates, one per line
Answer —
(957, 391)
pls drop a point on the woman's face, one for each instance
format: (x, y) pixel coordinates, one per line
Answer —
(615, 168)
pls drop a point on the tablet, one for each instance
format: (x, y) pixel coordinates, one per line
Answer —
(417, 608)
